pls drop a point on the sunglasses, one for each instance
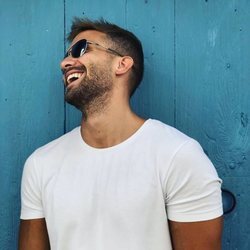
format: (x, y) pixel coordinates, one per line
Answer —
(80, 48)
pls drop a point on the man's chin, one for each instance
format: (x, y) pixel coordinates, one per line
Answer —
(70, 96)
(73, 103)
(72, 85)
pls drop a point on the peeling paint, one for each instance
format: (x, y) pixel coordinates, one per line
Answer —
(212, 35)
(244, 119)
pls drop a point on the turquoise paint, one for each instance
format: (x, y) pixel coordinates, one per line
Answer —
(196, 78)
(31, 96)
(213, 97)
(155, 97)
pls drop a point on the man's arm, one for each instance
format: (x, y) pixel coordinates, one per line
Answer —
(203, 235)
(33, 235)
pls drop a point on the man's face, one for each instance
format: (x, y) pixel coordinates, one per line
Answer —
(88, 79)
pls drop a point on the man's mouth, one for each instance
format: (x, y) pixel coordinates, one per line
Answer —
(73, 77)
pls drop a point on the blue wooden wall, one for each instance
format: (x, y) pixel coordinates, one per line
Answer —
(197, 77)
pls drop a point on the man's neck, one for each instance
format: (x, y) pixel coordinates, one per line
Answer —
(110, 127)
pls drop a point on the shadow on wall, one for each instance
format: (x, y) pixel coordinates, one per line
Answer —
(228, 200)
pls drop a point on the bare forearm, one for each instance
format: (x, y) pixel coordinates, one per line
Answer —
(204, 235)
(33, 235)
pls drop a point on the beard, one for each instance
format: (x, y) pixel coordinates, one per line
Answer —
(93, 92)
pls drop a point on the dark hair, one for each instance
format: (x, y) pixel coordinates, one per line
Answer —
(123, 41)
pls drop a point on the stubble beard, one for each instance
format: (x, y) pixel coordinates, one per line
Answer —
(93, 93)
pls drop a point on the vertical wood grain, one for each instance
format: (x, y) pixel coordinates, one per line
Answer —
(153, 22)
(31, 96)
(236, 233)
(213, 97)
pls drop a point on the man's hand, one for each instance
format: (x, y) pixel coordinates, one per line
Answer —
(33, 235)
(203, 235)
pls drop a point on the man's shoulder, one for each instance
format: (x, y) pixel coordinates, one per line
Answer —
(59, 144)
(164, 133)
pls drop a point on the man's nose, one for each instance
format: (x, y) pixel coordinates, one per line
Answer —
(68, 62)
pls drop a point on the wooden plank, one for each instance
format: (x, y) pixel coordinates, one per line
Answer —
(213, 98)
(31, 96)
(236, 233)
(153, 22)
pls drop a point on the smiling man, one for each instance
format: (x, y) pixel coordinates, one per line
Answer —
(117, 182)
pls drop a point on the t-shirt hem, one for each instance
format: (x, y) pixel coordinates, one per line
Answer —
(30, 216)
(195, 217)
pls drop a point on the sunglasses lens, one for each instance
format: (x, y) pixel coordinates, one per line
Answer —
(78, 49)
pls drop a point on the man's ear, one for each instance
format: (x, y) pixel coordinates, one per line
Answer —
(124, 64)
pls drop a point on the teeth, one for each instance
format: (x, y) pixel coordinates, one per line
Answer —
(74, 75)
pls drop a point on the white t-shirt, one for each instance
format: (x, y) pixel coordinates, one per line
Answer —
(121, 197)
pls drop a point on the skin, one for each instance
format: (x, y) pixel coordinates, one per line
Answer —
(111, 125)
(203, 235)
(33, 235)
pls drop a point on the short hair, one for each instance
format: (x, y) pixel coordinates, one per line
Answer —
(123, 41)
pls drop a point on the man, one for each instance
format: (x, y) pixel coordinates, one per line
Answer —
(118, 182)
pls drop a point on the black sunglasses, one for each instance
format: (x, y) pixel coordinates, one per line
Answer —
(80, 47)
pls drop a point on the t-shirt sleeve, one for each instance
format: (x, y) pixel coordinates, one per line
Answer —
(192, 186)
(31, 200)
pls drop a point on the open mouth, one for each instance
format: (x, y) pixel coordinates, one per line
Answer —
(73, 77)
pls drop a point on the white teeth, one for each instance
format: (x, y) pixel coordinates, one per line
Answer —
(74, 75)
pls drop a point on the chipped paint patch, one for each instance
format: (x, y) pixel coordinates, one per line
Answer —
(212, 35)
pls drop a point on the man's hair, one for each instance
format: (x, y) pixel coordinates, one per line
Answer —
(121, 40)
